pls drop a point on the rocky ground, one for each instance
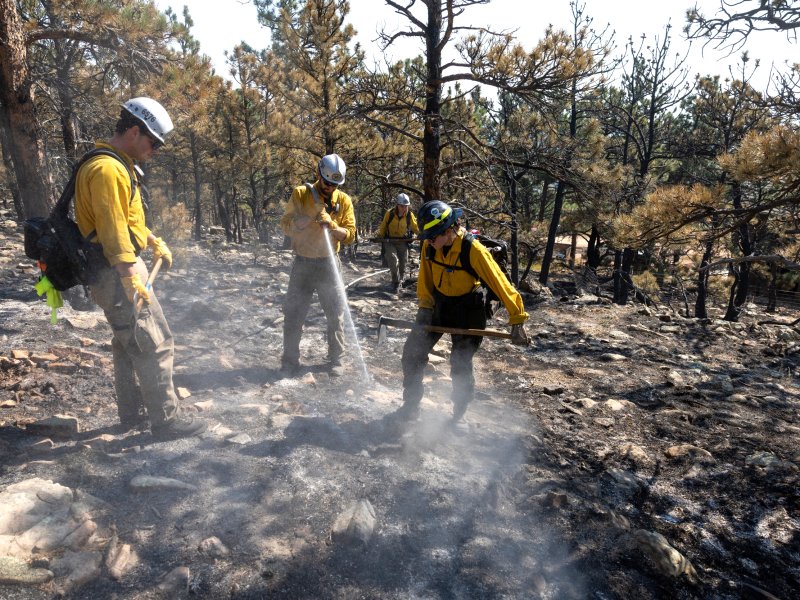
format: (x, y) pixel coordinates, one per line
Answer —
(627, 453)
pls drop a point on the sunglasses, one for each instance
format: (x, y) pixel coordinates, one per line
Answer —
(154, 143)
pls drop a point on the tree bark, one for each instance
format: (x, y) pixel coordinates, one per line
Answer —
(198, 209)
(547, 259)
(700, 310)
(19, 118)
(741, 285)
(431, 137)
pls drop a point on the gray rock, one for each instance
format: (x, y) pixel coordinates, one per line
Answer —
(62, 426)
(214, 548)
(78, 568)
(240, 439)
(653, 550)
(16, 572)
(119, 558)
(613, 357)
(147, 483)
(175, 582)
(355, 525)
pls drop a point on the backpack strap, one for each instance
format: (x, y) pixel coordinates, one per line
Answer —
(466, 246)
(466, 265)
(334, 208)
(61, 209)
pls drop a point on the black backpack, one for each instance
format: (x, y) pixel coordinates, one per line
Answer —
(65, 257)
(499, 252)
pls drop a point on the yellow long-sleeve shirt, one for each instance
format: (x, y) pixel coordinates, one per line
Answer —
(309, 241)
(457, 282)
(103, 204)
(394, 226)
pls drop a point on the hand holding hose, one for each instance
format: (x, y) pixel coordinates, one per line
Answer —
(325, 220)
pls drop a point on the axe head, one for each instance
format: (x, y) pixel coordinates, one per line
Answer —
(381, 331)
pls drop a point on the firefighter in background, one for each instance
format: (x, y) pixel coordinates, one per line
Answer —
(399, 223)
(314, 211)
(450, 296)
(110, 213)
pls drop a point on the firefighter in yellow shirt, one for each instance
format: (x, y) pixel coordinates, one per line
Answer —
(313, 212)
(109, 211)
(450, 296)
(399, 224)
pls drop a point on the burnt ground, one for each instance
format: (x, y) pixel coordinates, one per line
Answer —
(615, 422)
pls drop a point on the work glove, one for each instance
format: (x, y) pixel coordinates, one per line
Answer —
(518, 335)
(160, 250)
(134, 286)
(424, 316)
(324, 219)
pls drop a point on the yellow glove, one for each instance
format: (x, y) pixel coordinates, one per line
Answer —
(133, 285)
(160, 250)
(324, 219)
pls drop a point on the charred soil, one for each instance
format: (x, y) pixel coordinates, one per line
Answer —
(627, 453)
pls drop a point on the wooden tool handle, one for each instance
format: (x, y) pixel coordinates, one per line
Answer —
(149, 285)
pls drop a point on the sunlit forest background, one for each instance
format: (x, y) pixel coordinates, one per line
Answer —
(619, 167)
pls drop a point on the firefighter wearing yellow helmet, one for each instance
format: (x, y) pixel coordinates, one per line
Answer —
(450, 296)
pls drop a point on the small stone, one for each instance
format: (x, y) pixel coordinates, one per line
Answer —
(355, 525)
(308, 379)
(240, 439)
(175, 582)
(183, 392)
(556, 499)
(634, 452)
(204, 405)
(55, 426)
(612, 357)
(8, 403)
(669, 329)
(147, 483)
(654, 551)
(585, 402)
(120, 559)
(16, 572)
(604, 421)
(214, 548)
(79, 568)
(67, 368)
(43, 357)
(675, 379)
(19, 354)
(618, 405)
(277, 398)
(682, 450)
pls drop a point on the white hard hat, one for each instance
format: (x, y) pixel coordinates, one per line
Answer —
(152, 114)
(332, 169)
(403, 199)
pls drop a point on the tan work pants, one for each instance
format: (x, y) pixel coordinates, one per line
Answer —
(308, 275)
(142, 349)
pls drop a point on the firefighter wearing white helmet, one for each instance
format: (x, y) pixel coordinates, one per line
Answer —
(450, 295)
(400, 224)
(109, 212)
(152, 114)
(318, 219)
